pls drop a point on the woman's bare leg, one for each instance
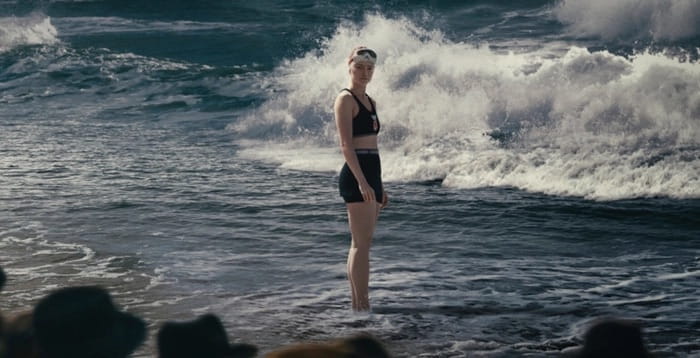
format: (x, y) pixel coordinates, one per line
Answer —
(362, 217)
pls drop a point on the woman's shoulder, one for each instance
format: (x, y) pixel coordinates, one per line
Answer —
(344, 93)
(344, 97)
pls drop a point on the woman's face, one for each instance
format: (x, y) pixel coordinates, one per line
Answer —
(361, 72)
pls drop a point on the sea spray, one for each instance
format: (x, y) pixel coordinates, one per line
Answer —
(34, 29)
(478, 117)
(631, 19)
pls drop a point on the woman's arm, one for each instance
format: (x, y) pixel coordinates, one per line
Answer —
(343, 121)
(385, 195)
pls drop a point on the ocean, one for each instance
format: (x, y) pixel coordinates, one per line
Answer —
(542, 160)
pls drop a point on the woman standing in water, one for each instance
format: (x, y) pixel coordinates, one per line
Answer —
(360, 180)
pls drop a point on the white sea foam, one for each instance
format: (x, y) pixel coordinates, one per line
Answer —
(641, 299)
(37, 265)
(589, 124)
(287, 155)
(34, 29)
(631, 19)
(614, 286)
(679, 276)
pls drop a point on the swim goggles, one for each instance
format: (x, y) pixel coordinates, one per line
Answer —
(364, 55)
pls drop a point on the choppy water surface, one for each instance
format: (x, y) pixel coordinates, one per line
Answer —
(542, 172)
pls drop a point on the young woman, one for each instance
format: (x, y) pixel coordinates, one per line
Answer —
(360, 181)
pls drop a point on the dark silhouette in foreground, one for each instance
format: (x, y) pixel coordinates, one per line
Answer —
(204, 337)
(358, 346)
(19, 340)
(613, 338)
(77, 322)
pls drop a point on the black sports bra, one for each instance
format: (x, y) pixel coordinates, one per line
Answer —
(365, 122)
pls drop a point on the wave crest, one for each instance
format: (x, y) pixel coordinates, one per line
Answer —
(35, 29)
(631, 19)
(582, 123)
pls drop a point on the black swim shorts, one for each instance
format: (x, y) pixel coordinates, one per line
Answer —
(371, 168)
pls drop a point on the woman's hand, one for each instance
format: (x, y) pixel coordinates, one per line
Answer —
(367, 192)
(385, 200)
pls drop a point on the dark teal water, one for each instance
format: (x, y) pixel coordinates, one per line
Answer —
(542, 172)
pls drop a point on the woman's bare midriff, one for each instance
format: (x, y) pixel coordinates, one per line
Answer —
(365, 142)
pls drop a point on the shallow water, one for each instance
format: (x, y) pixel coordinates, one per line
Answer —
(537, 179)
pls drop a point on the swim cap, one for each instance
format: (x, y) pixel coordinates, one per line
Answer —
(363, 54)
